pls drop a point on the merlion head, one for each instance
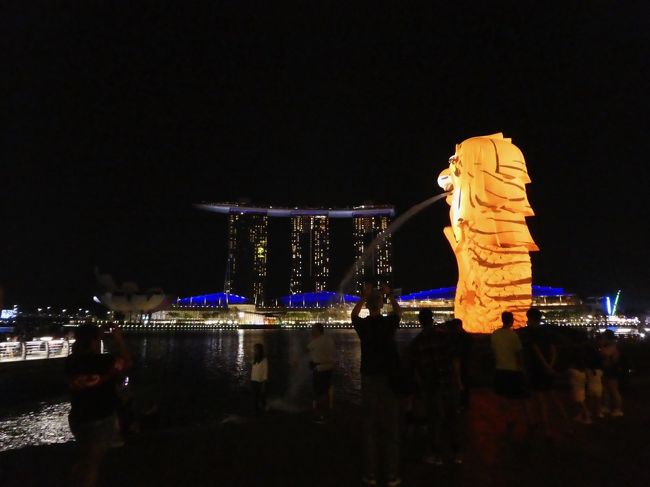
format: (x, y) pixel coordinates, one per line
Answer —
(487, 177)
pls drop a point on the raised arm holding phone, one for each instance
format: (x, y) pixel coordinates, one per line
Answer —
(379, 367)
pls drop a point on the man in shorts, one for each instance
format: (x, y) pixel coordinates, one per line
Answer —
(508, 376)
(540, 354)
(92, 382)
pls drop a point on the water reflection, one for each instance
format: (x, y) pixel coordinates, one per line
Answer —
(143, 350)
(240, 348)
(45, 423)
(197, 378)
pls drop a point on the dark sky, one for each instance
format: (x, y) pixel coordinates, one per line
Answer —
(122, 115)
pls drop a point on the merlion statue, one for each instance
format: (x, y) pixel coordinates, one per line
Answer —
(488, 233)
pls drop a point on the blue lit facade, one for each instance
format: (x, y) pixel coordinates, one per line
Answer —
(546, 291)
(324, 299)
(321, 299)
(215, 300)
(450, 293)
(440, 293)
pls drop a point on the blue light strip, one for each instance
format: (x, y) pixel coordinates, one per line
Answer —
(440, 293)
(450, 292)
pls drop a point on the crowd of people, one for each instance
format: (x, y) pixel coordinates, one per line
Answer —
(527, 372)
(434, 379)
(435, 374)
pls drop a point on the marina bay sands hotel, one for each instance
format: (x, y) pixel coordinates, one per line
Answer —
(246, 270)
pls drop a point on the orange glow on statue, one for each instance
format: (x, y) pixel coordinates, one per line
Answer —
(487, 178)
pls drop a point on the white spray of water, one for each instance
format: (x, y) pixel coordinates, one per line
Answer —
(300, 372)
(299, 378)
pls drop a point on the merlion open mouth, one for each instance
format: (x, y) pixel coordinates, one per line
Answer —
(445, 181)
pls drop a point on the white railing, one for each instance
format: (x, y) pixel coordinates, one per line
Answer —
(35, 349)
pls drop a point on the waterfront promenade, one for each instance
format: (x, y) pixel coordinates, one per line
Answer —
(289, 450)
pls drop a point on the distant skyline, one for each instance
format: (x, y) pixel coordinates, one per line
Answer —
(121, 119)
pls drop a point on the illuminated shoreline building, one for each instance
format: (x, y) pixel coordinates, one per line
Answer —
(247, 256)
(333, 309)
(246, 270)
(378, 266)
(310, 259)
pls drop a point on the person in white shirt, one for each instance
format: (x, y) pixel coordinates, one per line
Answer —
(322, 353)
(259, 377)
(509, 375)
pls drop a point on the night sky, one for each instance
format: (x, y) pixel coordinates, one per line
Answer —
(121, 116)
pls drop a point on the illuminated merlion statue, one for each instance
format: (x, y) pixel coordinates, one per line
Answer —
(488, 232)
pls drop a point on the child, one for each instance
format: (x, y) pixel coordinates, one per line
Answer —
(594, 372)
(259, 377)
(578, 382)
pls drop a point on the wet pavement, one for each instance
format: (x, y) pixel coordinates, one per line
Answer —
(289, 450)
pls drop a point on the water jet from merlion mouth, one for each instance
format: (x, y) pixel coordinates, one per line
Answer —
(392, 228)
